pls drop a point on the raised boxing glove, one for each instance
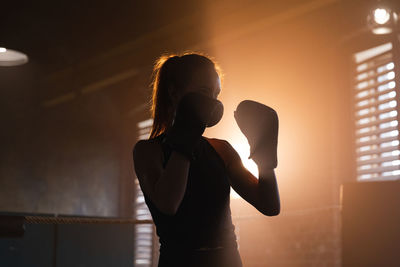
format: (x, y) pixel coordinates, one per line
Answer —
(259, 123)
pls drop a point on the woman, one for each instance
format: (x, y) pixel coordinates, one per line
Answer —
(185, 177)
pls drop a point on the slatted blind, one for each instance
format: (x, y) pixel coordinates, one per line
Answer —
(145, 247)
(376, 114)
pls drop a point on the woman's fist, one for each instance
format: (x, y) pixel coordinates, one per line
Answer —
(259, 123)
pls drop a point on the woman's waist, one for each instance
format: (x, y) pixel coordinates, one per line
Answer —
(200, 239)
(197, 247)
(196, 235)
(203, 256)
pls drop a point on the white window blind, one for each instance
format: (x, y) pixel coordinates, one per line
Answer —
(376, 115)
(145, 247)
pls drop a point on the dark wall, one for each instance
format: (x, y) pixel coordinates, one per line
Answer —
(72, 244)
(63, 159)
(69, 116)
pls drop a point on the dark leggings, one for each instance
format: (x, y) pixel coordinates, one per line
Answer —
(205, 258)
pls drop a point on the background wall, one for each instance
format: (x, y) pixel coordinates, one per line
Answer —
(290, 64)
(69, 115)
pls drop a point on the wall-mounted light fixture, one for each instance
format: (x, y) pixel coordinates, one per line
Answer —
(382, 20)
(10, 57)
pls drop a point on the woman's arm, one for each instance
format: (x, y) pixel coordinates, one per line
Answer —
(164, 186)
(261, 193)
(268, 192)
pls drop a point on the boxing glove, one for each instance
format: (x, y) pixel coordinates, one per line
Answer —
(193, 114)
(259, 123)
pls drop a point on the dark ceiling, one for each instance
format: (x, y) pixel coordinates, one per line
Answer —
(64, 32)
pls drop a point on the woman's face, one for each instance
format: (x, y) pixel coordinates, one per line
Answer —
(204, 81)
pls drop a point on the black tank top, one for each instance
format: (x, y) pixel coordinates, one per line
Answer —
(203, 218)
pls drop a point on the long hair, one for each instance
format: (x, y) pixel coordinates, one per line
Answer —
(173, 71)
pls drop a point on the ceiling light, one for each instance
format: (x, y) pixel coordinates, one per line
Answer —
(10, 57)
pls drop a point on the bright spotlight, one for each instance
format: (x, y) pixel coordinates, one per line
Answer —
(382, 20)
(381, 15)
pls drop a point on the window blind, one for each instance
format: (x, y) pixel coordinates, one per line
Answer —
(144, 246)
(376, 114)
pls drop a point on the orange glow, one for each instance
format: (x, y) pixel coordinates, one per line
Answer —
(235, 137)
(242, 147)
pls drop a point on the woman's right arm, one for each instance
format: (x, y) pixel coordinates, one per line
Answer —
(164, 186)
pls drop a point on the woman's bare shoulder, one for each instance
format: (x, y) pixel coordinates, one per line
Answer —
(216, 140)
(146, 152)
(143, 146)
(221, 143)
(224, 149)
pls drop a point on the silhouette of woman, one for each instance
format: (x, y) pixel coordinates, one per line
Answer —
(186, 178)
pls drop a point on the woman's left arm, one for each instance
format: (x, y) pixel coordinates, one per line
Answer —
(261, 193)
